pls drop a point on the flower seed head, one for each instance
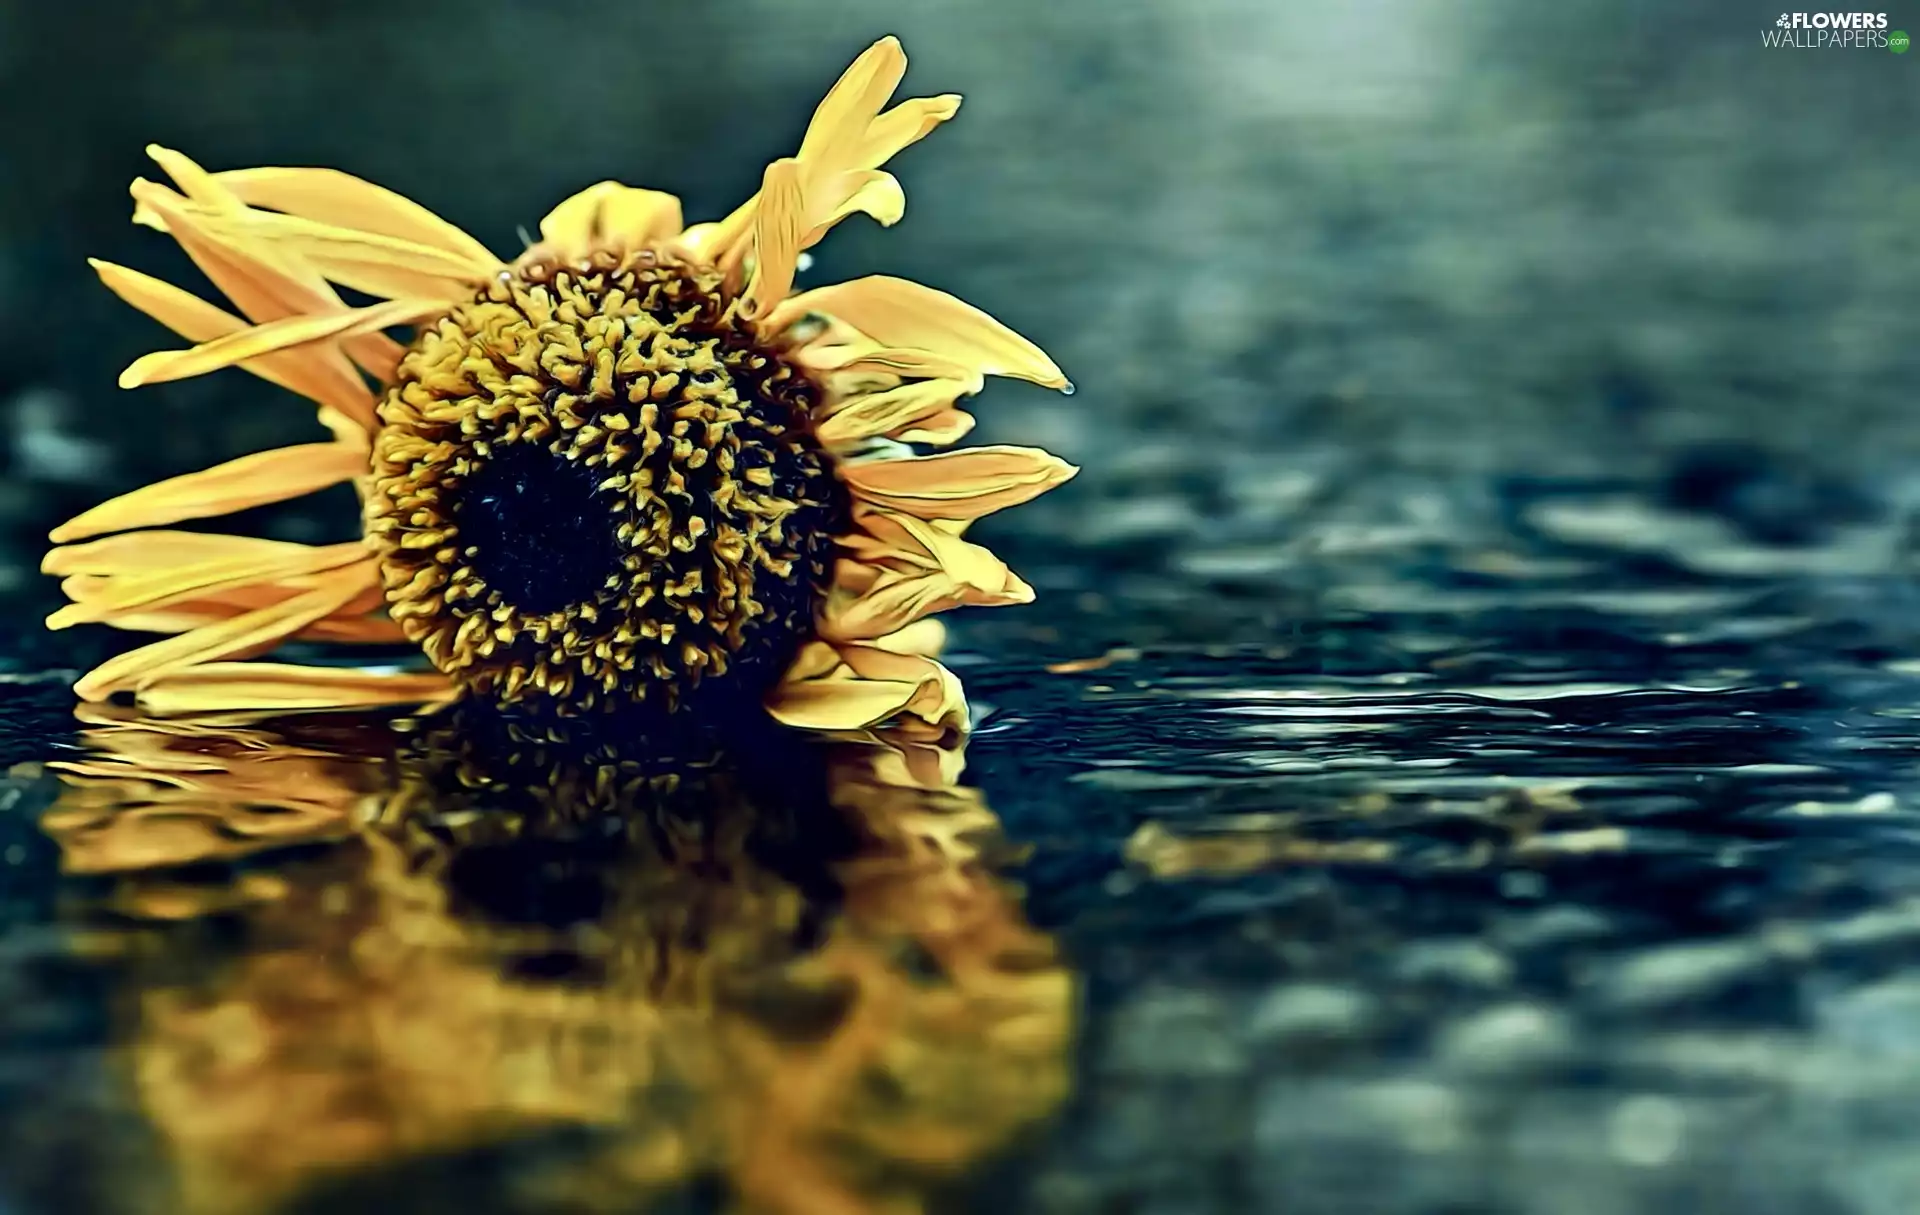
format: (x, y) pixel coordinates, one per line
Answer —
(594, 483)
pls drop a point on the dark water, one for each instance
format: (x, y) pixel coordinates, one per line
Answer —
(1545, 847)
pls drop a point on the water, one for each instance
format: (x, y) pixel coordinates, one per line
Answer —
(1437, 846)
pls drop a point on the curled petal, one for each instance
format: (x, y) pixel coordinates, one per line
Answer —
(887, 607)
(938, 698)
(864, 190)
(846, 140)
(725, 242)
(777, 229)
(844, 703)
(958, 484)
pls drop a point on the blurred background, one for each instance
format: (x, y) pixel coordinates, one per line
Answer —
(1422, 242)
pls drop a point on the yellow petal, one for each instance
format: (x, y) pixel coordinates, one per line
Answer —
(158, 550)
(938, 430)
(260, 285)
(287, 334)
(938, 698)
(343, 200)
(871, 358)
(263, 287)
(249, 265)
(223, 686)
(871, 685)
(268, 476)
(838, 704)
(357, 630)
(905, 124)
(243, 635)
(379, 265)
(886, 608)
(895, 312)
(923, 569)
(700, 237)
(727, 242)
(345, 630)
(902, 541)
(815, 658)
(926, 638)
(777, 228)
(901, 600)
(957, 484)
(610, 214)
(840, 122)
(330, 382)
(885, 413)
(195, 182)
(242, 566)
(879, 538)
(846, 137)
(351, 622)
(868, 190)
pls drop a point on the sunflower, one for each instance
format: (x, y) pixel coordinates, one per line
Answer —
(630, 466)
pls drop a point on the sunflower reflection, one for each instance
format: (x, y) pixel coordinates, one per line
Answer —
(789, 976)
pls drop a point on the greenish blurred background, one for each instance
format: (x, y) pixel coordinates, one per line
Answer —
(1445, 237)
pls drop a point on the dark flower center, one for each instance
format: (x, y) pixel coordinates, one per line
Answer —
(537, 534)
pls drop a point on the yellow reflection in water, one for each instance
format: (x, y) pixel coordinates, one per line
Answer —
(788, 977)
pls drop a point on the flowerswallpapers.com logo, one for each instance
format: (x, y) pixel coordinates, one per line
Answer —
(1839, 31)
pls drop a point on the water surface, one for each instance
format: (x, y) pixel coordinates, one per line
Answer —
(1546, 848)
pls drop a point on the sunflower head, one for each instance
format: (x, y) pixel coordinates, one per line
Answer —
(630, 467)
(596, 483)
